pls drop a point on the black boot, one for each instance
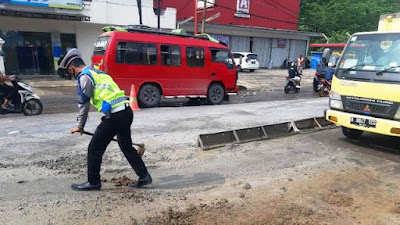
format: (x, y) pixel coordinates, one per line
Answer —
(145, 180)
(86, 186)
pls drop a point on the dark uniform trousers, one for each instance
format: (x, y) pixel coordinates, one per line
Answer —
(117, 124)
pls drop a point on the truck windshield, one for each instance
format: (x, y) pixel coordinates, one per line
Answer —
(372, 52)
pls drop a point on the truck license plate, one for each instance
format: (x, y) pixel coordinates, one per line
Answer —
(363, 122)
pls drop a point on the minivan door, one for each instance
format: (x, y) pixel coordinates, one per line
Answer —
(222, 67)
(196, 76)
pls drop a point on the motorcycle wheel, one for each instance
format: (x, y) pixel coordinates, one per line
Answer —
(315, 85)
(323, 92)
(32, 107)
(286, 89)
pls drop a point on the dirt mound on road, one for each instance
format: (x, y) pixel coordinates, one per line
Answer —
(338, 199)
(121, 181)
(223, 212)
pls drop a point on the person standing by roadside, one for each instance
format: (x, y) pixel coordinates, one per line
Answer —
(98, 88)
(300, 64)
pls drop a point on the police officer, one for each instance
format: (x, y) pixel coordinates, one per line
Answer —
(104, 94)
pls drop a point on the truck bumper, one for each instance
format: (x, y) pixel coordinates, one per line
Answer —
(383, 126)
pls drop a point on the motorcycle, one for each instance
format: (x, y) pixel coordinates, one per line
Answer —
(292, 85)
(324, 87)
(25, 102)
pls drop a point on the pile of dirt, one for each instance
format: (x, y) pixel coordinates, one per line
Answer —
(253, 212)
(338, 199)
(191, 215)
(121, 181)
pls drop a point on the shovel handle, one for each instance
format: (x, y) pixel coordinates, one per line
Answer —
(91, 134)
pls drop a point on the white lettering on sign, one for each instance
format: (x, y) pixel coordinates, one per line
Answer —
(100, 44)
(243, 6)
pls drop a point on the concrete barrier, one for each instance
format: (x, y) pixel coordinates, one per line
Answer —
(270, 131)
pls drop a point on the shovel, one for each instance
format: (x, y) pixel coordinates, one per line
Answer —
(140, 147)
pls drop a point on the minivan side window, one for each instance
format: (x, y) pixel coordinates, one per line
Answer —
(194, 57)
(222, 56)
(136, 53)
(170, 55)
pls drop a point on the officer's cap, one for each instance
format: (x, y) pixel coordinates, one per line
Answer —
(71, 55)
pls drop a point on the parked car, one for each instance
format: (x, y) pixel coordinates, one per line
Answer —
(166, 65)
(246, 61)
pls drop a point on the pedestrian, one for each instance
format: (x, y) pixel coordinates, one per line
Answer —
(103, 93)
(300, 64)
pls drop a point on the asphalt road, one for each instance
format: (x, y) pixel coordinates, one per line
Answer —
(59, 96)
(312, 178)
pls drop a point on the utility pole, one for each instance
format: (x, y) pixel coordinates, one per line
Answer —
(196, 25)
(159, 14)
(203, 22)
(139, 4)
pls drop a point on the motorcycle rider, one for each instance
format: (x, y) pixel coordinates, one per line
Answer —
(294, 75)
(9, 91)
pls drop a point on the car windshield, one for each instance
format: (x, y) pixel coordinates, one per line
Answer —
(372, 52)
(252, 56)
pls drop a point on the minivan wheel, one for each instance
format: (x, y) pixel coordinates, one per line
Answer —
(351, 133)
(239, 69)
(216, 94)
(252, 71)
(149, 96)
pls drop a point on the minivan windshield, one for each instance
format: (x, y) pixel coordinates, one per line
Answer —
(372, 52)
(101, 45)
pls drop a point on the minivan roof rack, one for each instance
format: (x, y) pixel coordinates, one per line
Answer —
(147, 29)
(151, 30)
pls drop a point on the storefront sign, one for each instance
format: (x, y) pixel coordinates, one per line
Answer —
(281, 43)
(209, 4)
(243, 7)
(221, 38)
(64, 4)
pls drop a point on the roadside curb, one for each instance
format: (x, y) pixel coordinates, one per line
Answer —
(270, 131)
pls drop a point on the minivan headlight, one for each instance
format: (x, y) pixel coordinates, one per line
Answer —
(335, 101)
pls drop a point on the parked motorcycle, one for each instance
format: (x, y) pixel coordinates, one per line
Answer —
(26, 101)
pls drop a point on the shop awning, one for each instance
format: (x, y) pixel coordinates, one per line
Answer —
(43, 13)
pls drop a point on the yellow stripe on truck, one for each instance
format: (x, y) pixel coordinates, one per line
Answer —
(383, 126)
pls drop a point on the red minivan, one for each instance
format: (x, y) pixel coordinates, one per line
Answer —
(166, 65)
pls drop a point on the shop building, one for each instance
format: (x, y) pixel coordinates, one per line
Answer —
(37, 33)
(267, 28)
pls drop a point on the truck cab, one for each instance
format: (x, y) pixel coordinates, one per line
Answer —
(366, 85)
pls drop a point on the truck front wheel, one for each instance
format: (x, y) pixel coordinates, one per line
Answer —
(351, 133)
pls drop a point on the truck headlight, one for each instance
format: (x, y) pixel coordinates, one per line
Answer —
(335, 101)
(397, 115)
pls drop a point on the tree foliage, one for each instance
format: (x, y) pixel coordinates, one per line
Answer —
(340, 18)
